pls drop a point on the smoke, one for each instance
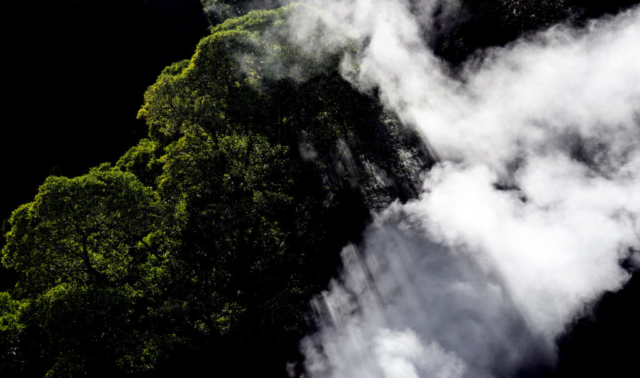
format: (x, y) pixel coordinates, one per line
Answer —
(524, 221)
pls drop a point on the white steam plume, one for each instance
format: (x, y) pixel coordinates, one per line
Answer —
(524, 221)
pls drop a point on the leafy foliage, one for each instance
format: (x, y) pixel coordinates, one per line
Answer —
(88, 255)
(91, 229)
(209, 237)
(220, 10)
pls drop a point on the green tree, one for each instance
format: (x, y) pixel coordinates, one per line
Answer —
(209, 237)
(89, 256)
(272, 162)
(10, 332)
(219, 10)
(95, 228)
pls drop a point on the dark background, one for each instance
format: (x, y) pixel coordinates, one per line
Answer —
(73, 77)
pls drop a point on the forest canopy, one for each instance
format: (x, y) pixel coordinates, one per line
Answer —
(210, 236)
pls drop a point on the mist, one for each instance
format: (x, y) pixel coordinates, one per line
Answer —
(529, 215)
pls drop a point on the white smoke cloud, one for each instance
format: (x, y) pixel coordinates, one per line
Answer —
(400, 354)
(523, 222)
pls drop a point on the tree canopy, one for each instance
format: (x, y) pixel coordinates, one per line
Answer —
(204, 243)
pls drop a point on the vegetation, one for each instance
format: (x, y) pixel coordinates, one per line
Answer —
(218, 11)
(210, 236)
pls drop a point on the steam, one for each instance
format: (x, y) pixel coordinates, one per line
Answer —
(525, 220)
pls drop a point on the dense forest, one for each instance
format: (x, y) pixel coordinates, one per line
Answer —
(196, 249)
